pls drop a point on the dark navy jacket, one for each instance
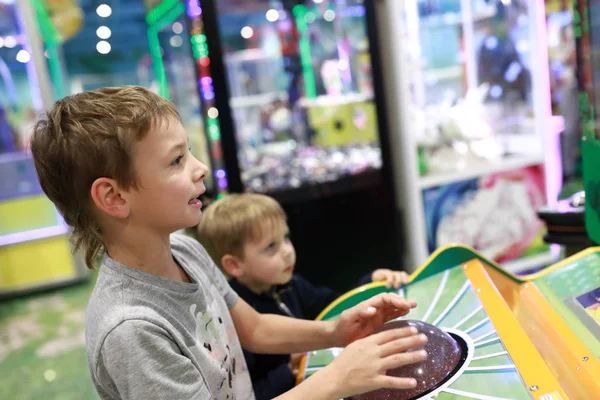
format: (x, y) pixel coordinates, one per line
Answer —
(270, 373)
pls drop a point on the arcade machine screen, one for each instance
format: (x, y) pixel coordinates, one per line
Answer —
(301, 91)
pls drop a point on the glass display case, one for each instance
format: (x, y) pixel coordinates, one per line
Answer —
(301, 101)
(471, 106)
(34, 240)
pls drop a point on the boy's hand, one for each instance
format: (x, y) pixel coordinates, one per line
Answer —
(362, 366)
(294, 363)
(362, 319)
(391, 278)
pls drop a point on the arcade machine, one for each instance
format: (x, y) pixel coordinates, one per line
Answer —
(475, 141)
(34, 241)
(506, 337)
(292, 108)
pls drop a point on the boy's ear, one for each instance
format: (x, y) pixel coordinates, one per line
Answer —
(107, 196)
(232, 265)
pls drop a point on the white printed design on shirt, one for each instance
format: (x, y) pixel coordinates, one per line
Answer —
(212, 336)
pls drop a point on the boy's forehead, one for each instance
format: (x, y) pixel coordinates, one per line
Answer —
(273, 226)
(165, 134)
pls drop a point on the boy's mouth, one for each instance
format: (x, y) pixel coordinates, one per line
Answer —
(195, 202)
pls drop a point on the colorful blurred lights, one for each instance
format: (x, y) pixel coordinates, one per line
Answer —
(104, 10)
(329, 15)
(194, 9)
(103, 47)
(10, 42)
(176, 41)
(272, 15)
(103, 32)
(220, 173)
(177, 28)
(213, 113)
(247, 32)
(222, 183)
(23, 56)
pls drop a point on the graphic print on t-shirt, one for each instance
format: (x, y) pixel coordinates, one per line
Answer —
(212, 336)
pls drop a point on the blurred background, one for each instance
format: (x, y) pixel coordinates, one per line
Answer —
(386, 130)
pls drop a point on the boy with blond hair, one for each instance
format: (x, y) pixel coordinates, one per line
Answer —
(248, 237)
(162, 322)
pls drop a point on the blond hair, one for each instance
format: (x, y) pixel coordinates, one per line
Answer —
(231, 222)
(88, 136)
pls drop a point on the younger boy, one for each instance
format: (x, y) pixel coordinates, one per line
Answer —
(162, 322)
(247, 235)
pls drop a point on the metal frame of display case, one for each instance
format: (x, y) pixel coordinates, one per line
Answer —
(401, 69)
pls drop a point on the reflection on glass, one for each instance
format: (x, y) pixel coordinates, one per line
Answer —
(17, 101)
(470, 62)
(300, 82)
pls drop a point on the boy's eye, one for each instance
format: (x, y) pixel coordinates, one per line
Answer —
(177, 162)
(287, 237)
(271, 246)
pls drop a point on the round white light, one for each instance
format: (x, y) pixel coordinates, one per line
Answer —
(213, 112)
(329, 15)
(247, 32)
(103, 32)
(177, 27)
(10, 42)
(272, 15)
(23, 56)
(104, 10)
(103, 47)
(317, 1)
(176, 41)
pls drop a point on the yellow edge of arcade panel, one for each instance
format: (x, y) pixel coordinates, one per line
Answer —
(30, 263)
(525, 356)
(570, 360)
(347, 295)
(439, 253)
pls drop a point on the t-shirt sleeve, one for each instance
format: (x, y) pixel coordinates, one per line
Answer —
(139, 360)
(194, 249)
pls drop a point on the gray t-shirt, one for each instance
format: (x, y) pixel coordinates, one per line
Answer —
(152, 338)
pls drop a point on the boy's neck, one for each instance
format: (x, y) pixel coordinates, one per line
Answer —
(150, 253)
(255, 287)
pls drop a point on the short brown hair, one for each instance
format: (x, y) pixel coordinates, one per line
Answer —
(231, 222)
(88, 136)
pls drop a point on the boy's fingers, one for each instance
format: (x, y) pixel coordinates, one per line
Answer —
(392, 382)
(367, 311)
(402, 344)
(398, 280)
(393, 334)
(391, 299)
(390, 281)
(401, 359)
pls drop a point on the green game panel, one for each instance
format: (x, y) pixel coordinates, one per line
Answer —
(574, 292)
(447, 300)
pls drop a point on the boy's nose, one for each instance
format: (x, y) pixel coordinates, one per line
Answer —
(200, 170)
